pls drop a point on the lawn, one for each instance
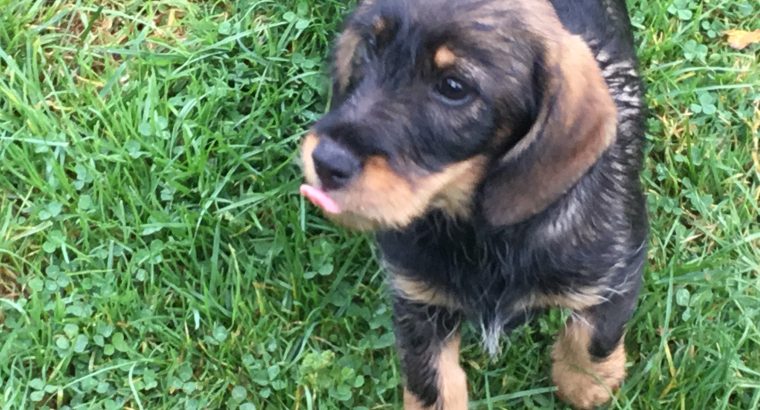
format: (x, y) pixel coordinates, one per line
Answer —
(155, 254)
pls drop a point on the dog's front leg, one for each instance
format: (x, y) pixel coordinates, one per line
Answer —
(589, 356)
(428, 342)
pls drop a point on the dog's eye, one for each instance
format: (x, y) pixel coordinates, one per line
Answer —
(453, 89)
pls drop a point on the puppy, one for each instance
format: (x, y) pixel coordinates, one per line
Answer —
(494, 147)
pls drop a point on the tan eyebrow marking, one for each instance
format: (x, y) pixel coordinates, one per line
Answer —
(444, 57)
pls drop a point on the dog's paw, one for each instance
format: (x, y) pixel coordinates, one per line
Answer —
(584, 383)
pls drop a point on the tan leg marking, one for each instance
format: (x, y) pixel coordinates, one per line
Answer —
(421, 292)
(583, 382)
(452, 381)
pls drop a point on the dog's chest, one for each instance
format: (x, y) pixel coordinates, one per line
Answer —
(486, 274)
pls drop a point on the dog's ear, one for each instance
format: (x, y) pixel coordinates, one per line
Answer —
(343, 59)
(575, 124)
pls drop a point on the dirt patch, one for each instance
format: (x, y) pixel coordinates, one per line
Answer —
(9, 286)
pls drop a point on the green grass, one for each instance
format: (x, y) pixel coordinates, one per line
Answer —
(154, 252)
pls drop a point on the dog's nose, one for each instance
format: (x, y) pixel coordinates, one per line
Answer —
(335, 165)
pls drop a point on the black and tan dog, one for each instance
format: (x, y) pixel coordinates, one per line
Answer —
(494, 146)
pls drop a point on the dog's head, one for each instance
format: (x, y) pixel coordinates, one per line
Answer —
(472, 105)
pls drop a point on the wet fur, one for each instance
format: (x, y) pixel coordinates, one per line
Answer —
(550, 220)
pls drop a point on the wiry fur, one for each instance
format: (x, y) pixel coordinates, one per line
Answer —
(551, 214)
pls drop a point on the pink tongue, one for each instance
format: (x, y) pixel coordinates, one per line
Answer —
(319, 198)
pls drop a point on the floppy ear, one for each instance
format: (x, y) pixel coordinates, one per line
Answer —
(575, 125)
(343, 59)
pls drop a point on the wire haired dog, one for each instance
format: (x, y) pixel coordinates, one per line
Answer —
(494, 147)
